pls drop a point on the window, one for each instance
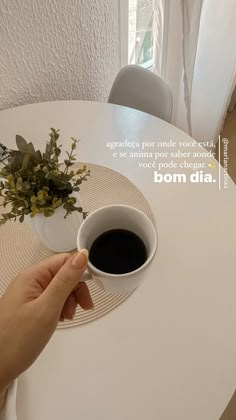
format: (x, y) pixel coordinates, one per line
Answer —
(140, 32)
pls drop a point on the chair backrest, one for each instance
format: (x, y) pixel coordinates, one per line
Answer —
(141, 89)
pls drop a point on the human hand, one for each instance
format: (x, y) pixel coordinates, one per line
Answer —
(32, 306)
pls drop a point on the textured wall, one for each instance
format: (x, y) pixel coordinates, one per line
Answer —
(57, 49)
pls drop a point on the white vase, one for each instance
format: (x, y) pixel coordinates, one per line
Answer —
(57, 233)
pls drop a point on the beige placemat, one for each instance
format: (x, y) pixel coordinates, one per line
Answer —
(20, 247)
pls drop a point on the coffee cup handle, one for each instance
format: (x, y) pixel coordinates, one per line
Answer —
(86, 276)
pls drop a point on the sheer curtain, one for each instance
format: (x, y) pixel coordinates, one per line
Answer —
(194, 51)
(191, 17)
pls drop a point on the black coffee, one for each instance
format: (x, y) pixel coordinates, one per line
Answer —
(118, 251)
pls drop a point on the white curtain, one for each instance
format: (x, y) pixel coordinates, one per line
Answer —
(194, 51)
(158, 38)
(191, 17)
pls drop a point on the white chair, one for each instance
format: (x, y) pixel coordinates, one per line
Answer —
(141, 89)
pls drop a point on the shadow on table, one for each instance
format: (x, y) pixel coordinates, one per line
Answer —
(22, 410)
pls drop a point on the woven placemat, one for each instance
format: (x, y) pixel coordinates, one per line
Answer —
(20, 247)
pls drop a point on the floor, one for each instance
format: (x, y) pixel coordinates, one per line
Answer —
(229, 132)
(230, 411)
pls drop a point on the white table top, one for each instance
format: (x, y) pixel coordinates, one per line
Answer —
(169, 351)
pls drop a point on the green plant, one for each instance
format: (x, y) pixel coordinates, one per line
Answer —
(34, 182)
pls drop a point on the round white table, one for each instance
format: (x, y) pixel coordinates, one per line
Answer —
(169, 351)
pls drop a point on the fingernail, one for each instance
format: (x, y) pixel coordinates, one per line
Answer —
(80, 259)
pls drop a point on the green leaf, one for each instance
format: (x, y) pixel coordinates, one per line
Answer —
(57, 203)
(33, 199)
(48, 211)
(27, 186)
(19, 183)
(61, 187)
(66, 178)
(26, 160)
(11, 182)
(37, 168)
(45, 188)
(21, 143)
(41, 194)
(16, 161)
(38, 155)
(21, 219)
(72, 200)
(30, 148)
(48, 149)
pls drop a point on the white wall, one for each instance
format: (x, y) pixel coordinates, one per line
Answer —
(57, 49)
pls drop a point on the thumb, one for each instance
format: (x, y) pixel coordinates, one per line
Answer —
(67, 278)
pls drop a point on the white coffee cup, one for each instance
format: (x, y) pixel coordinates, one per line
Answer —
(118, 217)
